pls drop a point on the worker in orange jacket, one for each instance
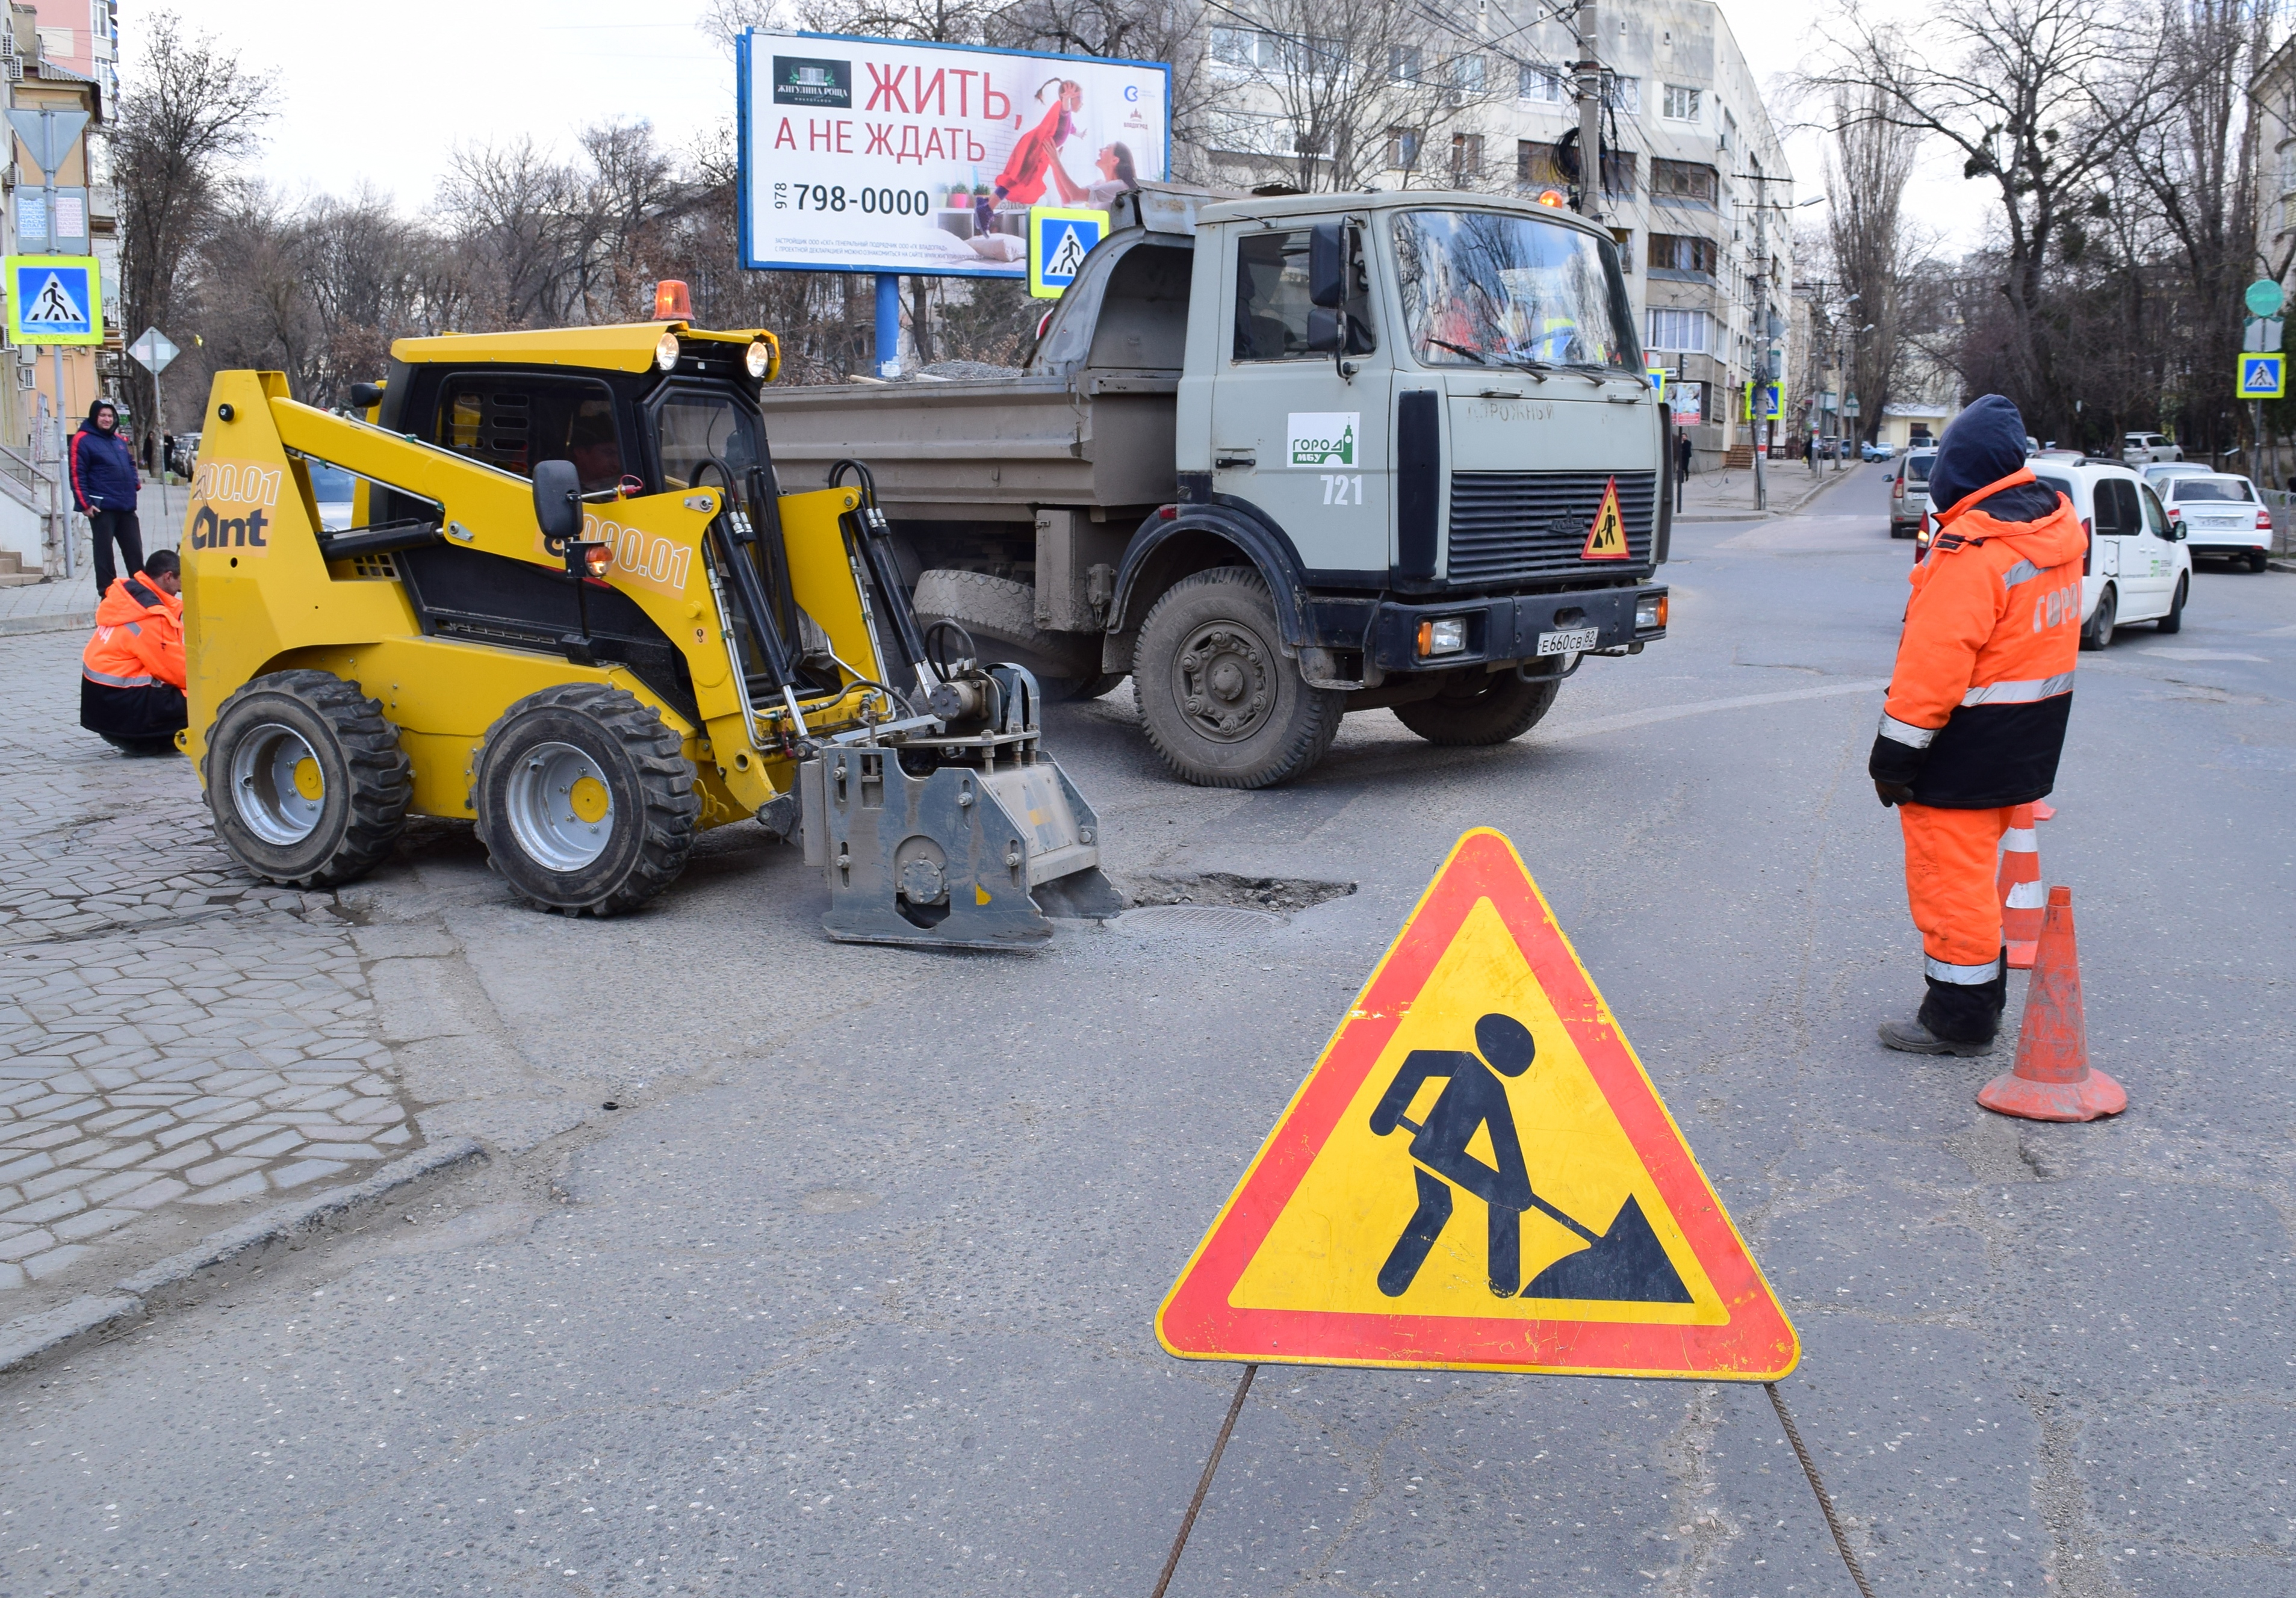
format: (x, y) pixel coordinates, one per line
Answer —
(131, 674)
(1976, 714)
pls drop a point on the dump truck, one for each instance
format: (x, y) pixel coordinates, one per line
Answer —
(573, 606)
(1281, 458)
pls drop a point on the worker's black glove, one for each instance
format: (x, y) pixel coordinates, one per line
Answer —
(1895, 767)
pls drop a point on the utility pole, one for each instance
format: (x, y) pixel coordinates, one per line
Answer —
(1759, 411)
(1587, 75)
(49, 134)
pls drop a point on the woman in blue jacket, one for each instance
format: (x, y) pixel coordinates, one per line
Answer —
(103, 482)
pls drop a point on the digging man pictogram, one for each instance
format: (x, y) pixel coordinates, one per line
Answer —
(1626, 1262)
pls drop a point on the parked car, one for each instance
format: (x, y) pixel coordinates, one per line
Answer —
(2219, 513)
(2138, 566)
(2159, 471)
(2138, 449)
(1880, 449)
(1910, 492)
(183, 454)
(332, 487)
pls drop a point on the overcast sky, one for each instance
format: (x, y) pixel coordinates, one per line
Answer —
(380, 95)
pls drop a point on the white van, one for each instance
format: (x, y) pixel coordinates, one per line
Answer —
(2137, 567)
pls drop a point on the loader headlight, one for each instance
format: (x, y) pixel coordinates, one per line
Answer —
(1649, 612)
(757, 360)
(665, 353)
(1448, 636)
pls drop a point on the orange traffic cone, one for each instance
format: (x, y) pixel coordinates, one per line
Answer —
(2052, 1080)
(2020, 885)
(2044, 811)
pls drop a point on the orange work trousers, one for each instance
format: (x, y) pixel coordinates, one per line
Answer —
(1951, 858)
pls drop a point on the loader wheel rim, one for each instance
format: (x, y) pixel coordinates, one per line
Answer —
(1223, 678)
(278, 788)
(560, 807)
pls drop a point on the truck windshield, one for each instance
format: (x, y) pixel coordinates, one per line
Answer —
(1482, 289)
(708, 441)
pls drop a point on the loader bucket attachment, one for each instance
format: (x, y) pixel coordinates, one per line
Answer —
(952, 841)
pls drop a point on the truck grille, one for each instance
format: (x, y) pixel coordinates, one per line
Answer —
(1509, 525)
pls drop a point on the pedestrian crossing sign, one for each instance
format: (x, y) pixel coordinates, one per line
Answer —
(1058, 238)
(1480, 1175)
(54, 299)
(2263, 376)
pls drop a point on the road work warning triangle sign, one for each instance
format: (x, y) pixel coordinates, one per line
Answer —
(1478, 1175)
(1606, 540)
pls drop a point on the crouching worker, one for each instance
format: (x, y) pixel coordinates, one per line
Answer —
(131, 687)
(1977, 710)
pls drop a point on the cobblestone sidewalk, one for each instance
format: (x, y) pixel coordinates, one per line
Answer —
(175, 1037)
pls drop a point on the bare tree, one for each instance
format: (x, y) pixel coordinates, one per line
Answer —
(2041, 98)
(2196, 168)
(1868, 162)
(192, 111)
(1333, 94)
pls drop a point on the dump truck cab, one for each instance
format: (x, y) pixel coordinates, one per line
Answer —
(1282, 458)
(572, 605)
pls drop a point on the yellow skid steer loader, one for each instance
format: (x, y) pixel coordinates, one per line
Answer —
(567, 599)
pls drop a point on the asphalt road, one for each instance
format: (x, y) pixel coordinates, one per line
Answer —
(854, 1292)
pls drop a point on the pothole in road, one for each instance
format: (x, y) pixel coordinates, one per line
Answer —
(1277, 896)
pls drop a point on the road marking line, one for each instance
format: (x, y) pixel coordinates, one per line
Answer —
(1643, 718)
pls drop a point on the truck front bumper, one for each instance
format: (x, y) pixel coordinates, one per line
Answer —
(1510, 627)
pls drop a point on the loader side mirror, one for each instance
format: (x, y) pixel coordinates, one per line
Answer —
(558, 503)
(1327, 283)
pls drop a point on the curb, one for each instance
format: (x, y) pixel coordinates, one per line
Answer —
(52, 621)
(32, 1338)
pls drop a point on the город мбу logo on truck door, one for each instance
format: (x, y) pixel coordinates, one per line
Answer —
(1321, 438)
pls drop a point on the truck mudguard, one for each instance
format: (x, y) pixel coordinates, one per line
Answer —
(1205, 534)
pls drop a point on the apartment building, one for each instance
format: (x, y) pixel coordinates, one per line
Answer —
(2272, 97)
(64, 55)
(1696, 186)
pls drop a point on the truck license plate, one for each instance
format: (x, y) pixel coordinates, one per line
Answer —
(1576, 640)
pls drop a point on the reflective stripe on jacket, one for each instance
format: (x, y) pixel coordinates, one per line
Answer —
(138, 638)
(1984, 679)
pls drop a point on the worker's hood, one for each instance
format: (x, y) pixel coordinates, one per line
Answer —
(91, 425)
(1985, 444)
(131, 599)
(2046, 541)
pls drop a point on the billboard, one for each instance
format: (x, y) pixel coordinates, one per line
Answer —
(872, 155)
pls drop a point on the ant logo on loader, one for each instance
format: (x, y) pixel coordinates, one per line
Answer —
(235, 485)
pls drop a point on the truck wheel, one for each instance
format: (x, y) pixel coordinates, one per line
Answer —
(584, 801)
(2098, 632)
(1220, 702)
(305, 780)
(2174, 621)
(1001, 615)
(1469, 713)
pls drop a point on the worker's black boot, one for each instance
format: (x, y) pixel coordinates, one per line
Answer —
(1957, 1018)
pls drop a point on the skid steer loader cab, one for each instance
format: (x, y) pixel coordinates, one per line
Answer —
(574, 606)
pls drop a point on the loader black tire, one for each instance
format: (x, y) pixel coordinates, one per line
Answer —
(259, 784)
(1001, 615)
(1219, 700)
(550, 855)
(1476, 712)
